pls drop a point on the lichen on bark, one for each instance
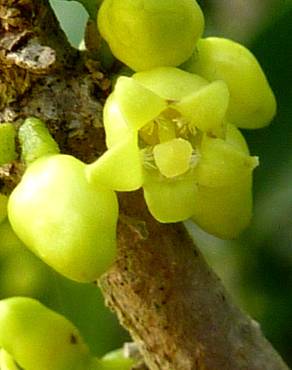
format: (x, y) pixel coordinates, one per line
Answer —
(162, 290)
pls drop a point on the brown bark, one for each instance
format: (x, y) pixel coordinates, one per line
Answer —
(164, 293)
(174, 305)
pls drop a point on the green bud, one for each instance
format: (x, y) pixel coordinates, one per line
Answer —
(252, 102)
(115, 360)
(6, 361)
(22, 273)
(71, 223)
(145, 34)
(39, 338)
(8, 240)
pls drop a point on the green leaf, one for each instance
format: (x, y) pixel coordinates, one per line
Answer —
(91, 6)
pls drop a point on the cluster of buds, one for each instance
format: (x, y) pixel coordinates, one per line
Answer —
(172, 128)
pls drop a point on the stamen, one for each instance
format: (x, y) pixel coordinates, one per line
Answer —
(169, 145)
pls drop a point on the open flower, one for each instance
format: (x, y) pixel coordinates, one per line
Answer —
(166, 131)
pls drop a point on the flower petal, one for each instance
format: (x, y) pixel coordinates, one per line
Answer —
(115, 125)
(119, 168)
(170, 200)
(173, 157)
(226, 210)
(170, 83)
(235, 138)
(206, 108)
(221, 164)
(138, 105)
(252, 102)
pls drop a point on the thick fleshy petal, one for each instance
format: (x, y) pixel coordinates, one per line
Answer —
(137, 104)
(119, 168)
(252, 102)
(115, 126)
(224, 211)
(170, 200)
(235, 138)
(170, 83)
(221, 164)
(224, 176)
(173, 157)
(205, 108)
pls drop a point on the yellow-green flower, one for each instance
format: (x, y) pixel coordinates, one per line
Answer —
(166, 131)
(252, 102)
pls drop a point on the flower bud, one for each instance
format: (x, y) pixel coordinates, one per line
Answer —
(252, 102)
(66, 221)
(145, 34)
(39, 338)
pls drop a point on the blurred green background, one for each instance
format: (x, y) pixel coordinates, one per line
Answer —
(257, 268)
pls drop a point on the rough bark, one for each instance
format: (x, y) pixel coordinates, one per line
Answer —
(174, 305)
(164, 293)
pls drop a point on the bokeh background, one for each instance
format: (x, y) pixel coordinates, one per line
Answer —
(256, 268)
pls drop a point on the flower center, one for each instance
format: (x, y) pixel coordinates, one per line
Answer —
(169, 144)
